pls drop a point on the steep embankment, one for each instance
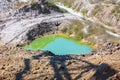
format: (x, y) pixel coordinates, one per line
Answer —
(92, 30)
(17, 31)
(97, 21)
(105, 12)
(29, 21)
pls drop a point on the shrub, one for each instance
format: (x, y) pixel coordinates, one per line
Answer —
(84, 11)
(79, 35)
(64, 30)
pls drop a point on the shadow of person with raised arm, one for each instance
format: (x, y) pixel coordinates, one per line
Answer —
(59, 67)
(102, 71)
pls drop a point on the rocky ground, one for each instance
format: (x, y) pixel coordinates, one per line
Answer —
(19, 64)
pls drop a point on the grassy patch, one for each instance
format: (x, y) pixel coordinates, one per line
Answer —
(84, 11)
(96, 10)
(75, 27)
(116, 12)
(56, 8)
(65, 2)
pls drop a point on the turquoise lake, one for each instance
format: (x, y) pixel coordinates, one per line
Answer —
(62, 46)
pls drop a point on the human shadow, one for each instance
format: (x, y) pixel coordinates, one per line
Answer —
(26, 69)
(43, 54)
(59, 67)
(102, 71)
(27, 63)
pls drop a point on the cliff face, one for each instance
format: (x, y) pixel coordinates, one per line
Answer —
(28, 20)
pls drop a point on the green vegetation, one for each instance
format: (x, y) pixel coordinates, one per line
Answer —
(118, 3)
(41, 42)
(92, 2)
(96, 9)
(96, 29)
(74, 28)
(109, 1)
(64, 30)
(84, 11)
(79, 35)
(56, 8)
(115, 40)
(116, 12)
(65, 2)
(108, 23)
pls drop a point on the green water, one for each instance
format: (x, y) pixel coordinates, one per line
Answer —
(59, 45)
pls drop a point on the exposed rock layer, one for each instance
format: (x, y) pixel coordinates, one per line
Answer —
(17, 31)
